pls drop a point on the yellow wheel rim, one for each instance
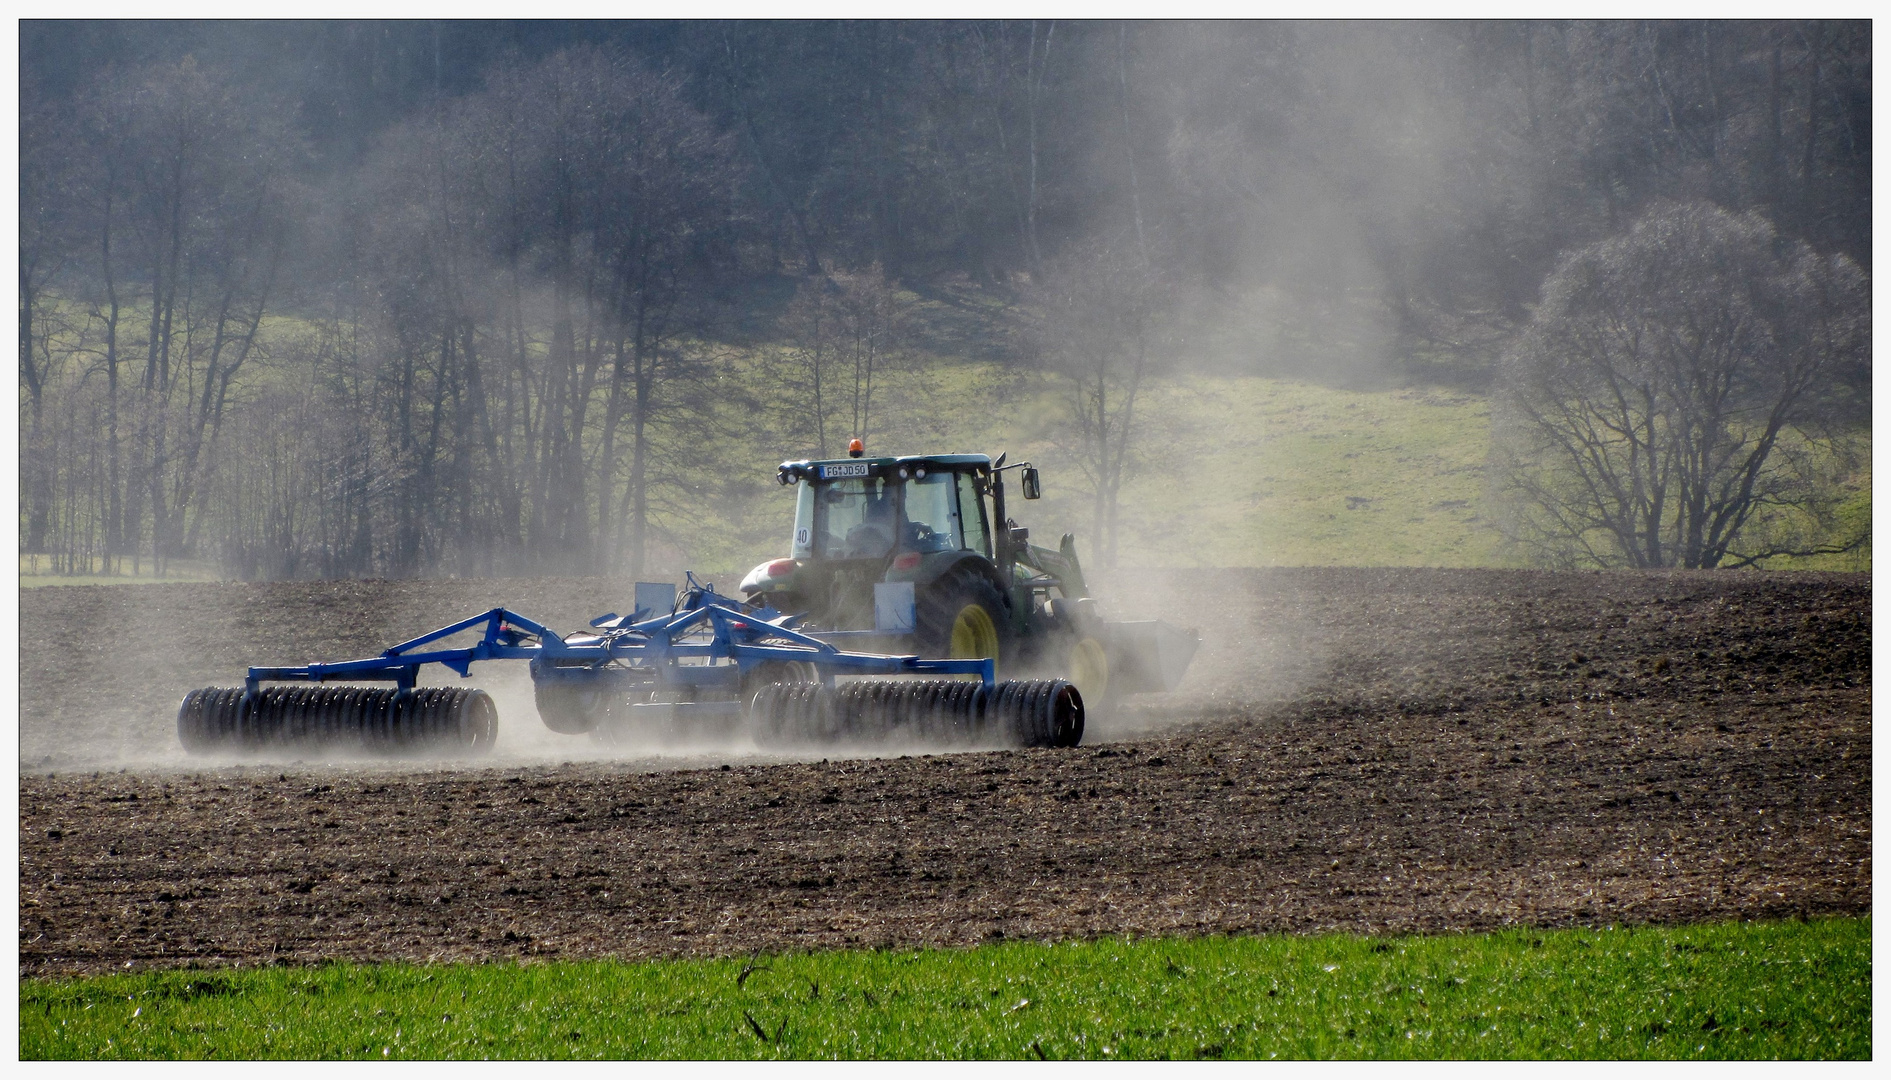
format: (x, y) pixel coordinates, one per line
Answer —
(1089, 670)
(973, 635)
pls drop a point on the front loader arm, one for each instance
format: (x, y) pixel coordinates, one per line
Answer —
(1060, 564)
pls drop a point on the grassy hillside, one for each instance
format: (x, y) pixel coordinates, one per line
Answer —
(1226, 471)
(1266, 472)
(1239, 471)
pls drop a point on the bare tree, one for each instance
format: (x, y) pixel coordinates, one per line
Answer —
(843, 331)
(544, 257)
(1019, 143)
(1682, 396)
(805, 368)
(1107, 326)
(181, 210)
(661, 236)
(48, 239)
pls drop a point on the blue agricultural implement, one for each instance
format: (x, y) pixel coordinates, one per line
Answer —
(708, 660)
(913, 561)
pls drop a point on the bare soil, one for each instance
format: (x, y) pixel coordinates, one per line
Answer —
(1370, 750)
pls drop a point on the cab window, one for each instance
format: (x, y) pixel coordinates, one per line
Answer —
(932, 515)
(855, 518)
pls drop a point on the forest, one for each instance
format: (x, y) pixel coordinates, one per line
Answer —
(425, 298)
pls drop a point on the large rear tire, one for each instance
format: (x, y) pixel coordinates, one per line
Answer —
(961, 616)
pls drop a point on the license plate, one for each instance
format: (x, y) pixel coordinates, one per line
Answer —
(852, 468)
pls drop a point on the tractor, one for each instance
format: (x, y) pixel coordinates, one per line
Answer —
(919, 554)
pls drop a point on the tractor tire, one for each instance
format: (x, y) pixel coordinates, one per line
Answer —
(1074, 650)
(571, 708)
(1087, 666)
(961, 616)
(777, 671)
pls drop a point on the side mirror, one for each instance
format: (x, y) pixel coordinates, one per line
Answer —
(1028, 483)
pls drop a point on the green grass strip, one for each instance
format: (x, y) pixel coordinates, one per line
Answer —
(1752, 990)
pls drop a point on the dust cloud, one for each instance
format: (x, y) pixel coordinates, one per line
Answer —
(100, 689)
(1254, 650)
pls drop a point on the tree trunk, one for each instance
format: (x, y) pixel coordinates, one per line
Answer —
(636, 506)
(37, 464)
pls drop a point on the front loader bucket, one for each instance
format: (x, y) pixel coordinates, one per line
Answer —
(1148, 657)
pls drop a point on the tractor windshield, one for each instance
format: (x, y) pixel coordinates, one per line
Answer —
(871, 517)
(854, 519)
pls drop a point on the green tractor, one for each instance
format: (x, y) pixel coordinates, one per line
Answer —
(918, 555)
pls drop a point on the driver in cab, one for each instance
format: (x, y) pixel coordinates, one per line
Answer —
(873, 537)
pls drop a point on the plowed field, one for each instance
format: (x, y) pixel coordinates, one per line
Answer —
(1354, 749)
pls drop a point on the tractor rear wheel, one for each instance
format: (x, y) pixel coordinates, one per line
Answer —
(962, 616)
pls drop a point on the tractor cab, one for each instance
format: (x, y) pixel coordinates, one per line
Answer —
(865, 521)
(860, 509)
(937, 521)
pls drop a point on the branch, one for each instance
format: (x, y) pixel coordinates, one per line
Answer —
(1801, 553)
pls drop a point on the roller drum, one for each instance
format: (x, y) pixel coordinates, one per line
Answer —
(946, 712)
(1038, 705)
(1003, 709)
(1068, 712)
(1022, 713)
(861, 710)
(349, 718)
(190, 720)
(764, 714)
(785, 714)
(1036, 712)
(967, 710)
(917, 717)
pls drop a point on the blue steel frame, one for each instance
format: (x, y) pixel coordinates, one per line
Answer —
(654, 645)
